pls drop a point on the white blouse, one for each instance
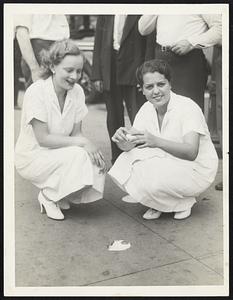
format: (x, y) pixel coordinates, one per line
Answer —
(40, 102)
(183, 116)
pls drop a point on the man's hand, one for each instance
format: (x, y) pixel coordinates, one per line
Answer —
(182, 47)
(99, 85)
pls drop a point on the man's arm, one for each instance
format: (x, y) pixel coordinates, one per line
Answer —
(22, 35)
(212, 36)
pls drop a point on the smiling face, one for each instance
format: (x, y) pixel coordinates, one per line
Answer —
(67, 72)
(156, 89)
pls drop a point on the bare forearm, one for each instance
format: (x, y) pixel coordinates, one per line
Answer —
(58, 141)
(26, 49)
(147, 24)
(180, 150)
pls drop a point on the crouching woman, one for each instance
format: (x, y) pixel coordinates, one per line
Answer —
(169, 158)
(51, 151)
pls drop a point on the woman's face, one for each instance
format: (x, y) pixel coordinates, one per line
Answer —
(156, 89)
(68, 72)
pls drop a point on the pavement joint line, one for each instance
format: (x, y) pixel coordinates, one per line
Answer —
(143, 270)
(207, 266)
(176, 246)
(210, 254)
(135, 219)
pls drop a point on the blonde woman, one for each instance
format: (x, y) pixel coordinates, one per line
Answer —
(51, 151)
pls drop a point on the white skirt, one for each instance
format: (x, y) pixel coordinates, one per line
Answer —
(61, 172)
(162, 183)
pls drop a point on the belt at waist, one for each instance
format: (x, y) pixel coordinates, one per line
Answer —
(163, 48)
(167, 49)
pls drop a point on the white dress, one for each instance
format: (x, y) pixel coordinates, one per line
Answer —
(62, 171)
(158, 179)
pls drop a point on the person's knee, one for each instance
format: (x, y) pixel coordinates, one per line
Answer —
(76, 151)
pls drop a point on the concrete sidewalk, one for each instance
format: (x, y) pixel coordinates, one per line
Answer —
(74, 252)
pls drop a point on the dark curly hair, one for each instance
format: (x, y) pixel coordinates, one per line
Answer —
(55, 54)
(151, 66)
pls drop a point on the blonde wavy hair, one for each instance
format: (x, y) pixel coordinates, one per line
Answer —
(55, 54)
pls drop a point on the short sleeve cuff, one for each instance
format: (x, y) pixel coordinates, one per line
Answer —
(36, 115)
(199, 130)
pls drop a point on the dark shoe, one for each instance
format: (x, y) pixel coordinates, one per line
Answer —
(219, 186)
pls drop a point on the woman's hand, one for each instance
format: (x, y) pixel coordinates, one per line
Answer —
(145, 139)
(96, 156)
(123, 139)
(120, 135)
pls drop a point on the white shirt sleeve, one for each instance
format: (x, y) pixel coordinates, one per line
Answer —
(147, 24)
(210, 37)
(34, 106)
(194, 120)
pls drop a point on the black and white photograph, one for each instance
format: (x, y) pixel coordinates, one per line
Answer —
(116, 149)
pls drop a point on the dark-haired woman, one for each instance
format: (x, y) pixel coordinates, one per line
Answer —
(169, 157)
(51, 151)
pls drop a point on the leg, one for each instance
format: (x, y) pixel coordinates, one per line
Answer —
(165, 184)
(115, 117)
(133, 100)
(37, 45)
(17, 59)
(115, 108)
(218, 79)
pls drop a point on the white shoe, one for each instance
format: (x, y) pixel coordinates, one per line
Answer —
(182, 214)
(129, 199)
(51, 208)
(152, 214)
(64, 204)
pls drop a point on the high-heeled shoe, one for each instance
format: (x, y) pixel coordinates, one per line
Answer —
(51, 208)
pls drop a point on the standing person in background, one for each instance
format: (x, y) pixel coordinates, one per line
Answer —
(179, 41)
(217, 78)
(17, 72)
(34, 33)
(119, 49)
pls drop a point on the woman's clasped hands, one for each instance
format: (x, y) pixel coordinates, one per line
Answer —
(145, 139)
(131, 138)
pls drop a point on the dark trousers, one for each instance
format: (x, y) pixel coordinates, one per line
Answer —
(37, 45)
(114, 99)
(217, 77)
(17, 71)
(189, 73)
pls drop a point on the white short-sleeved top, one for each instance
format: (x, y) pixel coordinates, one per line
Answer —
(40, 102)
(183, 116)
(45, 27)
